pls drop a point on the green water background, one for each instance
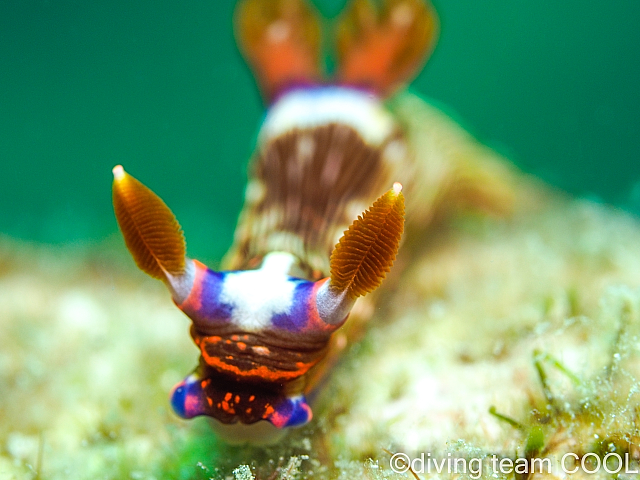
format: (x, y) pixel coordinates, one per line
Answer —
(160, 87)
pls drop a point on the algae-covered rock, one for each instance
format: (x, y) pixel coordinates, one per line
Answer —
(535, 319)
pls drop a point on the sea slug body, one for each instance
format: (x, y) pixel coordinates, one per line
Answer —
(317, 230)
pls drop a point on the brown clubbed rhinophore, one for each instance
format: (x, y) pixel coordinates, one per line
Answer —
(366, 251)
(150, 230)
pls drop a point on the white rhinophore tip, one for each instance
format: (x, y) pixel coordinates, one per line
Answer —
(397, 187)
(118, 172)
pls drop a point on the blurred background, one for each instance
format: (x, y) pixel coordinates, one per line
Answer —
(160, 87)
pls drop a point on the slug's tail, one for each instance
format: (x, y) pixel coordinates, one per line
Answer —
(150, 230)
(280, 40)
(383, 49)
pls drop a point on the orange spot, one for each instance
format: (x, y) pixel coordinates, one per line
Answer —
(228, 408)
(228, 396)
(205, 340)
(235, 338)
(248, 410)
(228, 342)
(205, 383)
(268, 410)
(237, 399)
(252, 398)
(210, 401)
(241, 345)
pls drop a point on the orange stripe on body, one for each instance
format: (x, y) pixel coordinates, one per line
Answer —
(262, 371)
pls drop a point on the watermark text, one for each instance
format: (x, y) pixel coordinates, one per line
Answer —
(611, 463)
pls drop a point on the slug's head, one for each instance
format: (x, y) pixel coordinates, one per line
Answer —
(259, 331)
(378, 49)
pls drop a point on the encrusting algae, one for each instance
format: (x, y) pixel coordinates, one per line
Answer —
(536, 318)
(504, 338)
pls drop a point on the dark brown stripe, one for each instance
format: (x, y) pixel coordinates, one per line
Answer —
(310, 178)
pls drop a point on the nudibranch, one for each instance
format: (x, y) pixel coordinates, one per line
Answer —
(259, 331)
(325, 153)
